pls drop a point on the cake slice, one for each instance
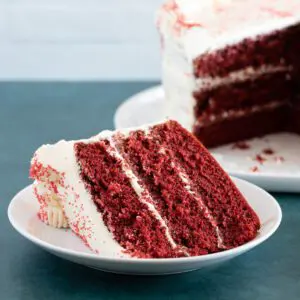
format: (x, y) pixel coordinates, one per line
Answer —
(151, 192)
(231, 68)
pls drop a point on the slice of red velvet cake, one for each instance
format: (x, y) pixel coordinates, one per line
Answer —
(149, 192)
(231, 68)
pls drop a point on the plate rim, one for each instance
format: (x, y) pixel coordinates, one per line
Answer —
(208, 257)
(159, 89)
(153, 89)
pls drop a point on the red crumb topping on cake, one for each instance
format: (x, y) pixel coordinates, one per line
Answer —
(42, 213)
(277, 13)
(241, 146)
(260, 159)
(268, 151)
(181, 22)
(81, 225)
(45, 174)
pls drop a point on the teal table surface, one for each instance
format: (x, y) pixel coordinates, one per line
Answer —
(32, 114)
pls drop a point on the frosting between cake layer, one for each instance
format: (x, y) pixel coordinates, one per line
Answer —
(239, 76)
(237, 113)
(184, 178)
(141, 192)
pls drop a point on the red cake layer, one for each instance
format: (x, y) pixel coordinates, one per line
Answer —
(277, 48)
(248, 126)
(129, 220)
(237, 222)
(187, 222)
(267, 88)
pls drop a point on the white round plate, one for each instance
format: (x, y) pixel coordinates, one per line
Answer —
(22, 213)
(277, 172)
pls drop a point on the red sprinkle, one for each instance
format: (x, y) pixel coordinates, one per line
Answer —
(268, 151)
(181, 22)
(241, 146)
(279, 159)
(254, 169)
(260, 159)
(278, 13)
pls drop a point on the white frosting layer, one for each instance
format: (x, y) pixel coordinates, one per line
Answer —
(241, 112)
(239, 76)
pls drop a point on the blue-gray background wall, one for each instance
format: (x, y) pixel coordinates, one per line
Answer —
(79, 40)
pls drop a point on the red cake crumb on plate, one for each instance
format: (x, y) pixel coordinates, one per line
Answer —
(260, 159)
(241, 145)
(268, 151)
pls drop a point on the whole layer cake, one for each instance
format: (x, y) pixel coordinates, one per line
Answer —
(151, 192)
(231, 68)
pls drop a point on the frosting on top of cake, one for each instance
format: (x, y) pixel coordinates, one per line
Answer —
(207, 25)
